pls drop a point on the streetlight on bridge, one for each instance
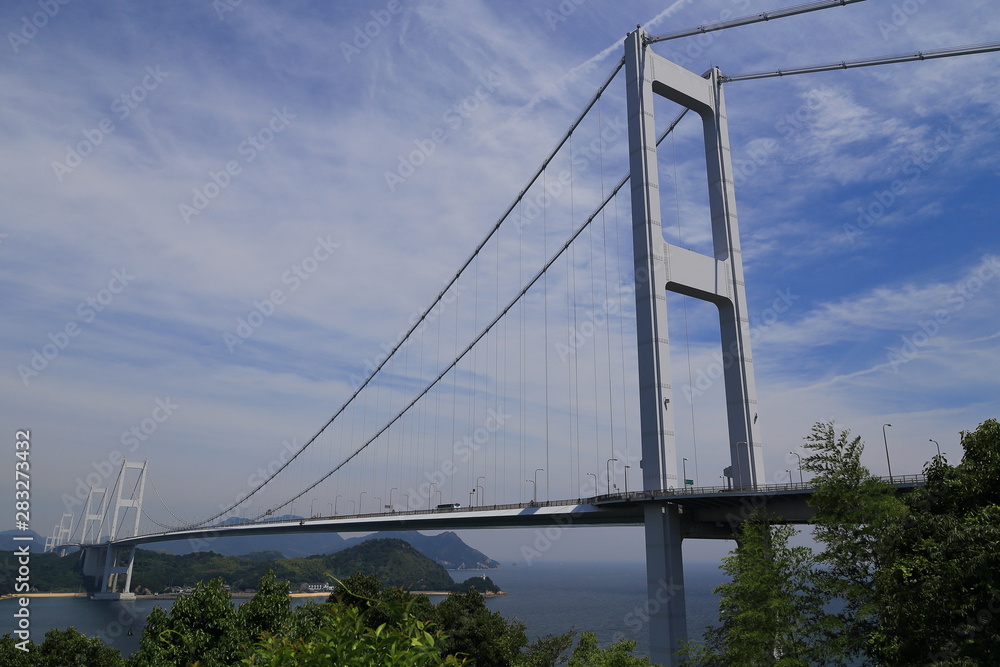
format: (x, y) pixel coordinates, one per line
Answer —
(684, 467)
(391, 506)
(886, 441)
(481, 490)
(596, 488)
(936, 444)
(608, 466)
(361, 498)
(378, 505)
(534, 486)
(335, 503)
(800, 465)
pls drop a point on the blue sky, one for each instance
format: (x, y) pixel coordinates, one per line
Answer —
(169, 165)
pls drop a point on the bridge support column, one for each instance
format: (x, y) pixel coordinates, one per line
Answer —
(664, 582)
(716, 278)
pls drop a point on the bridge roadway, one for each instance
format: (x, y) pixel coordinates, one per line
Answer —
(706, 513)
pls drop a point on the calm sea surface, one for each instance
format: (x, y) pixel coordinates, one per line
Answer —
(607, 598)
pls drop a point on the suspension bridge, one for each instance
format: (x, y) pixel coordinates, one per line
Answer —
(536, 389)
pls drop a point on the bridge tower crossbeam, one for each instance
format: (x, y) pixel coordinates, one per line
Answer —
(116, 560)
(718, 279)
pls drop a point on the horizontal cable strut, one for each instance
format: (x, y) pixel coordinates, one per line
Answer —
(486, 330)
(440, 296)
(753, 18)
(869, 62)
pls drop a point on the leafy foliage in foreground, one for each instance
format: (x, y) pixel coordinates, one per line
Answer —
(361, 624)
(897, 580)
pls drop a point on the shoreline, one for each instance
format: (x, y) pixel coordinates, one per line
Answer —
(234, 596)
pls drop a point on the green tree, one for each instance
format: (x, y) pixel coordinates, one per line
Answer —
(484, 636)
(268, 610)
(345, 640)
(854, 512)
(938, 589)
(769, 609)
(60, 648)
(589, 654)
(201, 629)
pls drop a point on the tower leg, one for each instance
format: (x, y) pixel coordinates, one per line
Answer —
(664, 583)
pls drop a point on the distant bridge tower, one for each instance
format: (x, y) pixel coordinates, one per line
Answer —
(104, 561)
(718, 279)
(61, 534)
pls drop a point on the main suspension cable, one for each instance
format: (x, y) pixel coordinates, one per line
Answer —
(754, 18)
(869, 62)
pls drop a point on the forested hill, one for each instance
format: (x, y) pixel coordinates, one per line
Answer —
(446, 548)
(393, 561)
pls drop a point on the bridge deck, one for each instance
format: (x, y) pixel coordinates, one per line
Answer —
(709, 513)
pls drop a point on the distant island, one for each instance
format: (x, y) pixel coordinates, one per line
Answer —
(446, 548)
(393, 561)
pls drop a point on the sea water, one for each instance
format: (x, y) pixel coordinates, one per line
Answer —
(609, 599)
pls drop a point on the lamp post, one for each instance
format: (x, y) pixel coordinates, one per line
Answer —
(936, 444)
(390, 497)
(534, 491)
(430, 496)
(800, 465)
(311, 513)
(886, 441)
(331, 508)
(684, 467)
(482, 491)
(608, 465)
(594, 475)
(471, 493)
(407, 496)
(789, 476)
(360, 498)
(626, 479)
(354, 508)
(335, 503)
(378, 504)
